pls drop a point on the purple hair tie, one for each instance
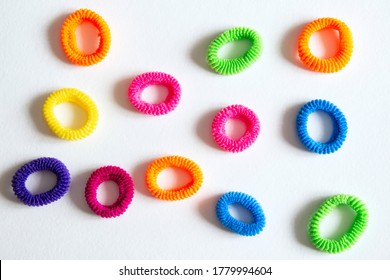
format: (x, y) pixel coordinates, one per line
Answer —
(40, 164)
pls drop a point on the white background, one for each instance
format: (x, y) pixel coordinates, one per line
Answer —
(172, 36)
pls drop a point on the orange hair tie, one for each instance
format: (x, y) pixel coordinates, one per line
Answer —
(181, 192)
(69, 43)
(326, 65)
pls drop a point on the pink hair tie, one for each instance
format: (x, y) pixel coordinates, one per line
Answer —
(242, 113)
(126, 191)
(144, 80)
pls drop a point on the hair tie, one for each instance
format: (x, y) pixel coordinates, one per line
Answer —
(40, 164)
(78, 98)
(126, 191)
(178, 193)
(142, 81)
(242, 113)
(249, 203)
(234, 65)
(339, 131)
(348, 239)
(69, 42)
(326, 65)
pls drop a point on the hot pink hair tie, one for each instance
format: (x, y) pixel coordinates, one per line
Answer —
(242, 113)
(126, 191)
(144, 80)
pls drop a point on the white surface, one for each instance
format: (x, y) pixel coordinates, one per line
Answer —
(172, 36)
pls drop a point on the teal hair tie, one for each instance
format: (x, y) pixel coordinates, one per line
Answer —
(348, 239)
(235, 65)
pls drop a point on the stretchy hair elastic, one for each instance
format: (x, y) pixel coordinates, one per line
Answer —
(69, 43)
(126, 191)
(40, 164)
(242, 113)
(154, 78)
(326, 65)
(235, 65)
(178, 193)
(76, 97)
(339, 131)
(235, 225)
(348, 239)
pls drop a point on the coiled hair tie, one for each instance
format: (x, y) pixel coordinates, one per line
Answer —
(235, 225)
(349, 238)
(240, 112)
(126, 191)
(78, 98)
(40, 164)
(235, 65)
(69, 42)
(339, 132)
(144, 80)
(326, 65)
(181, 192)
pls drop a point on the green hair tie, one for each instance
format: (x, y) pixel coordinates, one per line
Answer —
(348, 239)
(235, 65)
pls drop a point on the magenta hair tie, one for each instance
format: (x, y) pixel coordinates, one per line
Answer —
(238, 112)
(144, 80)
(126, 191)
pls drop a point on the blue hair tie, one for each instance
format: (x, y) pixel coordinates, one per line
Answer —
(235, 225)
(339, 132)
(40, 164)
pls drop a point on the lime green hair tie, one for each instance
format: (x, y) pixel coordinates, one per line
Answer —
(348, 239)
(235, 65)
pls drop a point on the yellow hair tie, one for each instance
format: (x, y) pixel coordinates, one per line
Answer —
(181, 192)
(69, 43)
(78, 98)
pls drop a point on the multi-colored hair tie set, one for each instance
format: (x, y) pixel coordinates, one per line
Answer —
(222, 66)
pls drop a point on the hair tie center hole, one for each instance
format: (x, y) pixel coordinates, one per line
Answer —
(107, 193)
(41, 181)
(70, 115)
(154, 94)
(234, 49)
(338, 222)
(235, 128)
(87, 37)
(320, 126)
(325, 43)
(173, 177)
(240, 213)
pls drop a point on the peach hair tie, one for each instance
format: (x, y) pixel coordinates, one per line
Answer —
(69, 43)
(326, 65)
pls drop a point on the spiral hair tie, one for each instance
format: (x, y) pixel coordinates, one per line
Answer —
(326, 65)
(126, 191)
(235, 225)
(239, 112)
(348, 239)
(235, 65)
(339, 133)
(181, 192)
(154, 78)
(69, 43)
(78, 98)
(40, 164)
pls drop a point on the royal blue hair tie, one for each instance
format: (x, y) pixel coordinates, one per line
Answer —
(235, 225)
(40, 164)
(339, 131)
